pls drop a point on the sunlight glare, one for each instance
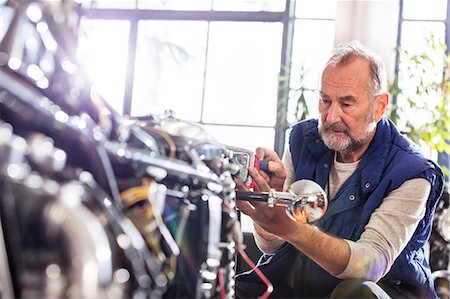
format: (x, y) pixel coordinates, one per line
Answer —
(106, 49)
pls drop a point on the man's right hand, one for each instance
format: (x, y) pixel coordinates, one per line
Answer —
(277, 173)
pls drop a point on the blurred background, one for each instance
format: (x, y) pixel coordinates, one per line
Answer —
(248, 69)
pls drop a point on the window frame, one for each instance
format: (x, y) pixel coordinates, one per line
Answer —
(286, 17)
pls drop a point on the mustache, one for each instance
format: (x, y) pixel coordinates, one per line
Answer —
(339, 126)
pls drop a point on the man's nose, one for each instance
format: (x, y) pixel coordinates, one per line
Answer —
(334, 113)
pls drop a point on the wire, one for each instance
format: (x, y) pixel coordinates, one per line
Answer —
(221, 283)
(145, 220)
(134, 195)
(259, 273)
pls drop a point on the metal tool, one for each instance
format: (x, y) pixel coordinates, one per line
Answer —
(304, 201)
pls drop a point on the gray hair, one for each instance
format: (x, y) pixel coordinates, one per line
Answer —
(347, 52)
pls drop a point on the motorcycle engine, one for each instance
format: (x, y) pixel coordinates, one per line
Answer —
(98, 205)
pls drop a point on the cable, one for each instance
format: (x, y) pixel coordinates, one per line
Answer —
(221, 283)
(259, 273)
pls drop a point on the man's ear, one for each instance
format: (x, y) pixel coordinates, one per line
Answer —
(381, 104)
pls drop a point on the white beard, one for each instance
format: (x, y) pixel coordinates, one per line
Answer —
(343, 142)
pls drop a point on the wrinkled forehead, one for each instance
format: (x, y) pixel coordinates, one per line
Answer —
(351, 75)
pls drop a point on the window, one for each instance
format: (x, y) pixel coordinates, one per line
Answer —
(170, 67)
(222, 63)
(424, 27)
(105, 54)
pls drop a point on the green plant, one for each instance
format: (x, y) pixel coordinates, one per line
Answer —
(422, 96)
(301, 108)
(293, 107)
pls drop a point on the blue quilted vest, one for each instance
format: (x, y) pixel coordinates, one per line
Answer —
(389, 161)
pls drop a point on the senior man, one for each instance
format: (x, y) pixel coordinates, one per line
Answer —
(382, 194)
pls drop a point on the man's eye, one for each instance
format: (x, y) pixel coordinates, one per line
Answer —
(325, 101)
(344, 105)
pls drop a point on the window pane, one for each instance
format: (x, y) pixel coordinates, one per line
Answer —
(242, 73)
(169, 69)
(105, 45)
(296, 105)
(244, 137)
(418, 73)
(425, 10)
(175, 4)
(325, 9)
(249, 5)
(312, 46)
(415, 35)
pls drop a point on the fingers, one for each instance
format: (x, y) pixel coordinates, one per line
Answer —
(266, 154)
(274, 163)
(261, 184)
(264, 175)
(246, 207)
(277, 168)
(240, 185)
(273, 169)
